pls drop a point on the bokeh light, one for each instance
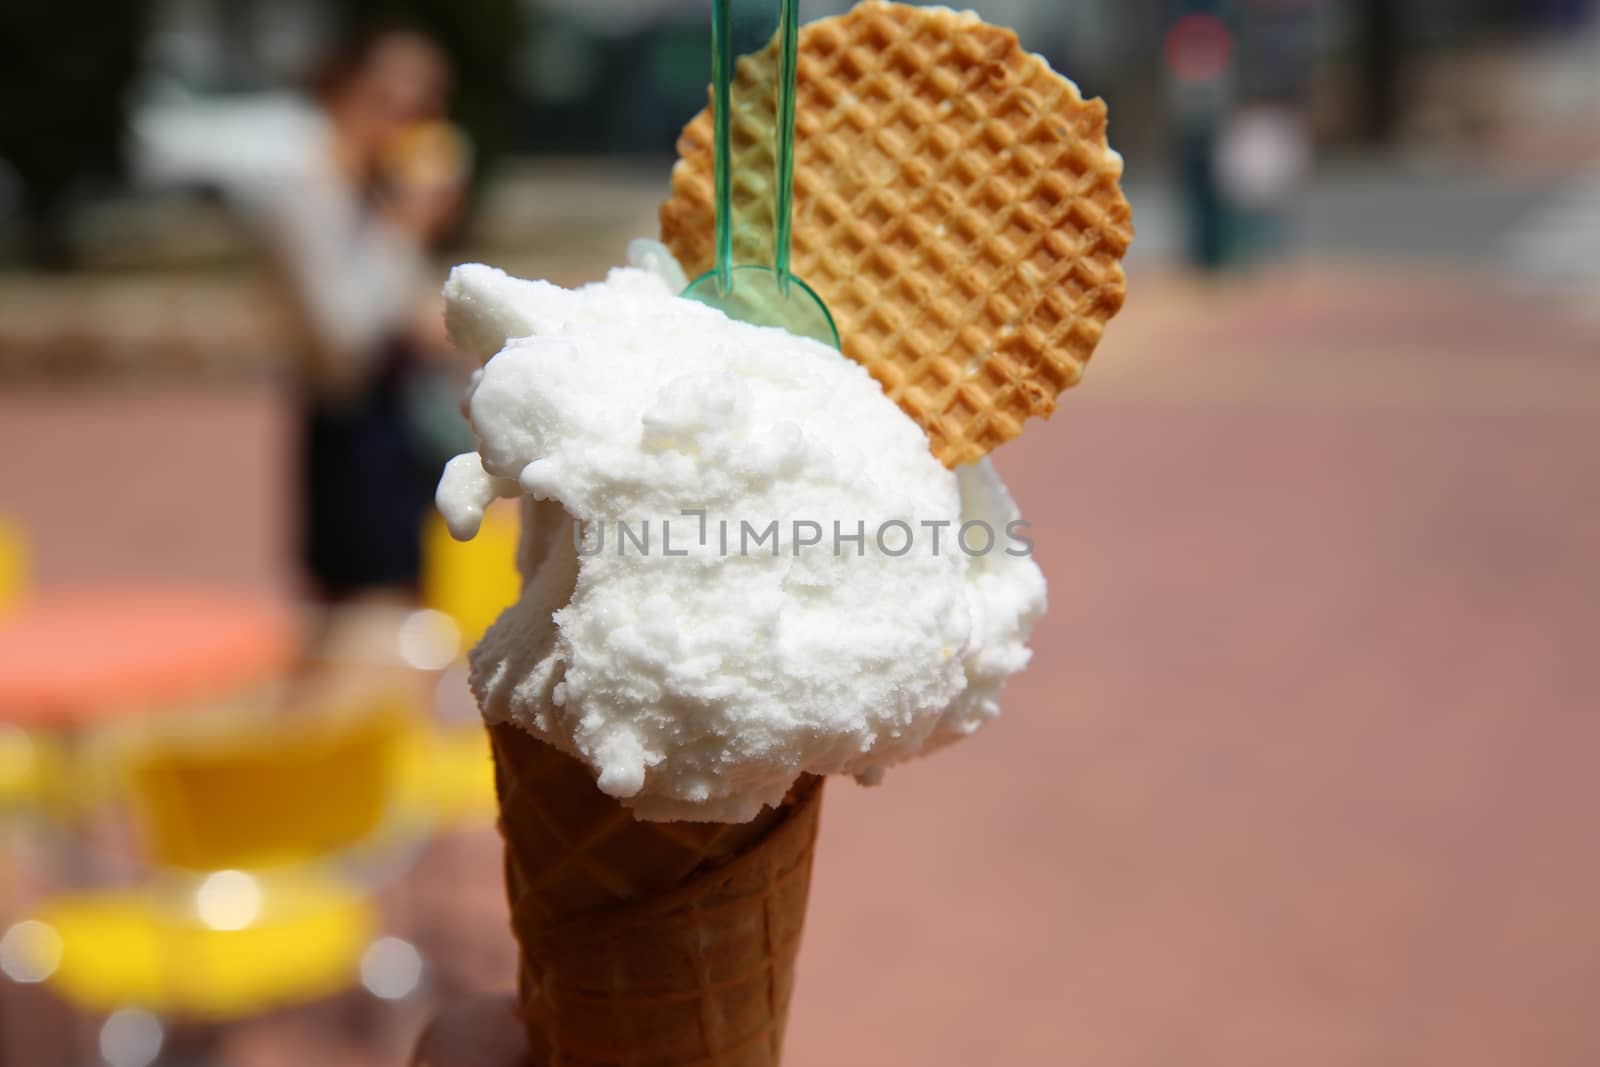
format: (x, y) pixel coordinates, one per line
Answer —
(429, 640)
(1198, 48)
(391, 968)
(131, 1037)
(30, 951)
(228, 900)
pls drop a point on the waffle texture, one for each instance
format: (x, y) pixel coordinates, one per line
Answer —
(648, 944)
(955, 204)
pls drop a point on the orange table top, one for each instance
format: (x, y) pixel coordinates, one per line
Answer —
(75, 656)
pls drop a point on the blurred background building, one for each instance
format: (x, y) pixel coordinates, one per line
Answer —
(1459, 84)
(1303, 769)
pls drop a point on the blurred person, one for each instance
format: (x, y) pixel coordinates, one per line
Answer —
(349, 191)
(1263, 152)
(390, 187)
(1240, 75)
(1263, 162)
(1198, 51)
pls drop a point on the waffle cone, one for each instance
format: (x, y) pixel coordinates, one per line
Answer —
(955, 205)
(645, 943)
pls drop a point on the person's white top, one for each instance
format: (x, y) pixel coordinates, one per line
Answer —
(271, 156)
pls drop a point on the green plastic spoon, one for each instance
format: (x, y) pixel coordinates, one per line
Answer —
(760, 293)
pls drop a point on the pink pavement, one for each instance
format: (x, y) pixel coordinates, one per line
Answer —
(1303, 769)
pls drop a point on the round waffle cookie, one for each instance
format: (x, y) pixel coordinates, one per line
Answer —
(955, 204)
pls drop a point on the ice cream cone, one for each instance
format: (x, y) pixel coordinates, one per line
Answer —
(648, 943)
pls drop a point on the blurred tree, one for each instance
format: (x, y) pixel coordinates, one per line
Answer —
(64, 74)
(481, 37)
(1383, 58)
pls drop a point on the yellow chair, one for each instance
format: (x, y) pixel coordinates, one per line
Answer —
(449, 775)
(13, 564)
(255, 828)
(235, 944)
(472, 581)
(276, 791)
(28, 759)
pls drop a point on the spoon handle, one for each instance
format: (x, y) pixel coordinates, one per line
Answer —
(789, 35)
(749, 279)
(780, 123)
(721, 107)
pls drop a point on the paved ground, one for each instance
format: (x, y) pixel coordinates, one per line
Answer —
(1303, 772)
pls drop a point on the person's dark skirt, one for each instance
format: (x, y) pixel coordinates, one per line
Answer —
(365, 489)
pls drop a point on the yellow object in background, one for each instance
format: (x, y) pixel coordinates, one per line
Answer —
(448, 777)
(13, 563)
(29, 762)
(244, 816)
(472, 581)
(301, 941)
(434, 153)
(283, 790)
